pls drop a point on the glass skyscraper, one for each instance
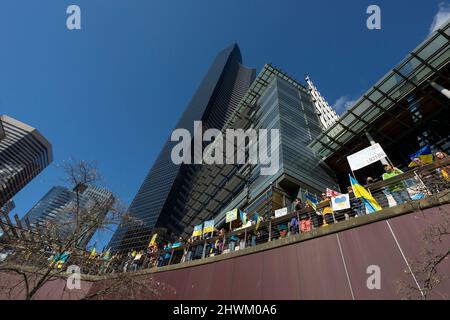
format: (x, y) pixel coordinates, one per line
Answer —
(288, 107)
(58, 206)
(274, 101)
(160, 201)
(24, 153)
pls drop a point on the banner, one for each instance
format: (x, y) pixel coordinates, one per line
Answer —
(281, 212)
(208, 226)
(197, 230)
(341, 202)
(366, 156)
(231, 215)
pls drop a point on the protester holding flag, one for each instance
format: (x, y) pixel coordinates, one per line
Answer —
(397, 190)
(311, 201)
(378, 195)
(327, 211)
(360, 192)
(444, 171)
(421, 157)
(316, 217)
(152, 240)
(256, 221)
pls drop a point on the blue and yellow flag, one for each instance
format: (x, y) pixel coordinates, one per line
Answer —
(152, 240)
(312, 202)
(361, 192)
(93, 252)
(197, 230)
(208, 226)
(423, 154)
(107, 254)
(243, 217)
(257, 218)
(62, 259)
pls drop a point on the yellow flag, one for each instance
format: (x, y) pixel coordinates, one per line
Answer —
(152, 240)
(93, 253)
(361, 192)
(444, 174)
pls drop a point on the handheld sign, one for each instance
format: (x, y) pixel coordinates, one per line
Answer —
(340, 202)
(281, 212)
(366, 156)
(231, 215)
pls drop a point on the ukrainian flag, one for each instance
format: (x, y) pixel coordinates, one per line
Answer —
(312, 202)
(423, 154)
(107, 254)
(93, 252)
(243, 217)
(197, 230)
(257, 218)
(208, 226)
(152, 240)
(360, 192)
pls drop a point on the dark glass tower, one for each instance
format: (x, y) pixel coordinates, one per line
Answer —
(160, 200)
(24, 153)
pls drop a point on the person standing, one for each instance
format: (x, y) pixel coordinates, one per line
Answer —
(327, 211)
(397, 190)
(442, 172)
(297, 205)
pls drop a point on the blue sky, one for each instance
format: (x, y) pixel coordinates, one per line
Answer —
(113, 91)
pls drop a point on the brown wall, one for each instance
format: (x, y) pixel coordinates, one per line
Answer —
(52, 290)
(315, 269)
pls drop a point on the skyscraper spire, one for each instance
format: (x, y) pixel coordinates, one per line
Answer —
(325, 112)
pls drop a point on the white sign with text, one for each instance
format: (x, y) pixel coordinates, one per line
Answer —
(281, 212)
(366, 156)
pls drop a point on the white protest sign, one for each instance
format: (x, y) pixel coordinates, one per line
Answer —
(281, 212)
(340, 202)
(366, 156)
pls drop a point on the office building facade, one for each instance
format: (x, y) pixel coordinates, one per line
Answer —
(275, 101)
(58, 208)
(24, 153)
